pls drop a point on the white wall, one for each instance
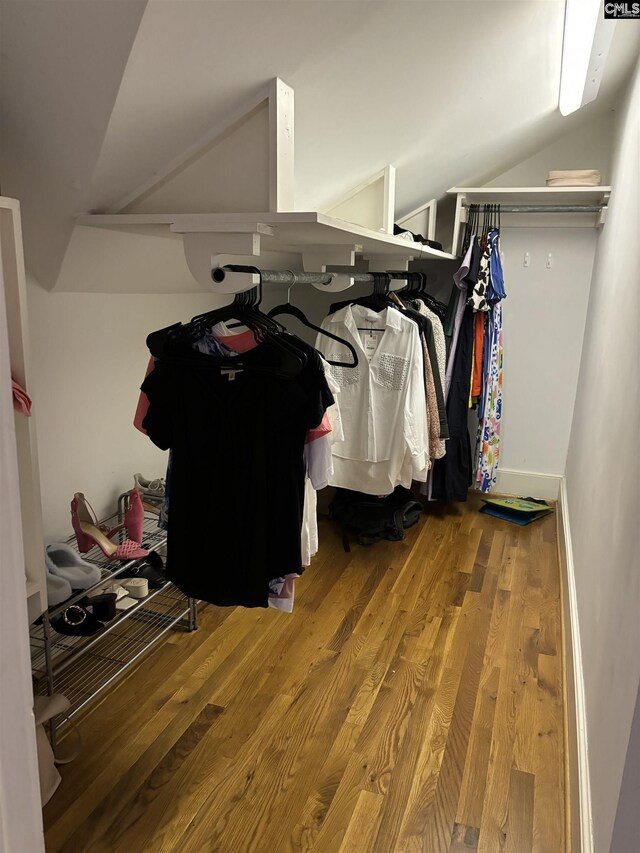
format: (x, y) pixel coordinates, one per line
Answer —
(544, 316)
(585, 147)
(88, 361)
(625, 830)
(602, 482)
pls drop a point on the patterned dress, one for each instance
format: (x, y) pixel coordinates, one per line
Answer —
(490, 410)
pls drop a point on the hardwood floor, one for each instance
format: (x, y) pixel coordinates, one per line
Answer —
(412, 702)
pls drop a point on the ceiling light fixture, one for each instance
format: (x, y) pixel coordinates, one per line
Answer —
(587, 38)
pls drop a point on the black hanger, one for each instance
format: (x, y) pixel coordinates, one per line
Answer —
(413, 286)
(378, 300)
(472, 226)
(292, 311)
(417, 289)
(243, 307)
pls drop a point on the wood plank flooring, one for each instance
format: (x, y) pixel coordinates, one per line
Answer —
(412, 702)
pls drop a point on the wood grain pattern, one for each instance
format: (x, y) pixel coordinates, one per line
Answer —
(412, 702)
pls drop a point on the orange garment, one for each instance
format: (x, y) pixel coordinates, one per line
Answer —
(478, 352)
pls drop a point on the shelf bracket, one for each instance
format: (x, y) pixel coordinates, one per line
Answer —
(602, 216)
(205, 251)
(460, 218)
(336, 256)
(381, 263)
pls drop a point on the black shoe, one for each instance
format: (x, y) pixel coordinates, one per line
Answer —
(76, 621)
(156, 578)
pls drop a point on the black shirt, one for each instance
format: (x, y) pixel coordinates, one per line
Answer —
(237, 471)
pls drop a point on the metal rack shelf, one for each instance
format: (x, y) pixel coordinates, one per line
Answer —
(153, 539)
(81, 670)
(82, 667)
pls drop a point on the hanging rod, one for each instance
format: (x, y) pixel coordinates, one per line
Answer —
(237, 278)
(542, 208)
(219, 274)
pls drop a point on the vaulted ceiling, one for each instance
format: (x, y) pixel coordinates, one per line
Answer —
(97, 96)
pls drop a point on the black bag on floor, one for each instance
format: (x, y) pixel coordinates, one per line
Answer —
(372, 518)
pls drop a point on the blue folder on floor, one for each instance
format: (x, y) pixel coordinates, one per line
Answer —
(516, 510)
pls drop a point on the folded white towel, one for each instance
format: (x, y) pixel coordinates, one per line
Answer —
(573, 178)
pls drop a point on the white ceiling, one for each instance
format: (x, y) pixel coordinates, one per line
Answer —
(98, 95)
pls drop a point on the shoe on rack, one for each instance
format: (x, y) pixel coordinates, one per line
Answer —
(115, 589)
(137, 587)
(64, 562)
(148, 506)
(150, 488)
(156, 578)
(123, 601)
(83, 512)
(127, 550)
(58, 589)
(134, 516)
(103, 605)
(76, 621)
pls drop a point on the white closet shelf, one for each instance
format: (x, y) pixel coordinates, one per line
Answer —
(278, 232)
(580, 205)
(532, 195)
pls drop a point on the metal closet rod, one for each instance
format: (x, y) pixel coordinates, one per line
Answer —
(293, 277)
(543, 208)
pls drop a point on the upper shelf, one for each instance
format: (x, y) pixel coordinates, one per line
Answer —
(580, 205)
(210, 201)
(532, 195)
(279, 232)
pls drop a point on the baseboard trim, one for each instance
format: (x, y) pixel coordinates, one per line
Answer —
(528, 484)
(574, 692)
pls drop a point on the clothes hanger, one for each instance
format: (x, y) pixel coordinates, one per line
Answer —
(417, 289)
(434, 304)
(263, 326)
(378, 300)
(414, 285)
(286, 308)
(243, 307)
(471, 227)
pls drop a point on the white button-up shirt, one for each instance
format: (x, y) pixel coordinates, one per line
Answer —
(382, 401)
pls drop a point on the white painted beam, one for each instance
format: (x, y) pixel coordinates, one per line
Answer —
(281, 147)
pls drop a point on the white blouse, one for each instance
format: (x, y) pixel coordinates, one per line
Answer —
(382, 401)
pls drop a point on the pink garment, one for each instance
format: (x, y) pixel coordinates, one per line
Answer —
(240, 343)
(143, 404)
(243, 342)
(283, 598)
(320, 431)
(21, 400)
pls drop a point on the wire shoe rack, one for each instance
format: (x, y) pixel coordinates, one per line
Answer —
(82, 667)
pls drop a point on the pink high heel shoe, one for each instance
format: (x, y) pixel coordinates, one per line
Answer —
(89, 532)
(134, 516)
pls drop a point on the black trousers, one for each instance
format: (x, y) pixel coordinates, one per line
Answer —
(452, 475)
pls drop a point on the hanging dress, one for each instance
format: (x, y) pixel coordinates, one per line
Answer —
(490, 402)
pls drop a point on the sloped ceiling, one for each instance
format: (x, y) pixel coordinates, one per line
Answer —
(98, 95)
